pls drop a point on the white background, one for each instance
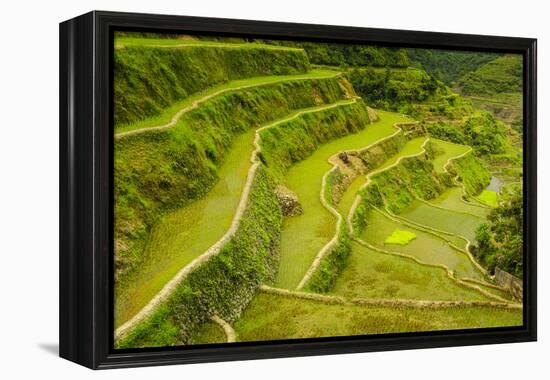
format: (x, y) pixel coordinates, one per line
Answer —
(29, 187)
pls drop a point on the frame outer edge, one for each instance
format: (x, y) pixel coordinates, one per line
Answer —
(76, 309)
(85, 138)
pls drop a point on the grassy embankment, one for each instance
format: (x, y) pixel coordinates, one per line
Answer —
(271, 317)
(150, 79)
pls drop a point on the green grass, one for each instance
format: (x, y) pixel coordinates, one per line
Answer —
(162, 171)
(451, 199)
(426, 247)
(186, 233)
(272, 317)
(371, 274)
(208, 333)
(168, 113)
(344, 205)
(304, 235)
(121, 42)
(458, 223)
(149, 79)
(412, 147)
(501, 75)
(348, 197)
(400, 237)
(489, 197)
(507, 107)
(449, 150)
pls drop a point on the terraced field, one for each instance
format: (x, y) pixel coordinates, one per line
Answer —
(207, 251)
(271, 317)
(304, 235)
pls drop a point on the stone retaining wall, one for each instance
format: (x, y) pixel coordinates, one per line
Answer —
(509, 282)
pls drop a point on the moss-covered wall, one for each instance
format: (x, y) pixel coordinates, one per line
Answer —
(412, 177)
(471, 173)
(332, 264)
(148, 79)
(378, 154)
(296, 139)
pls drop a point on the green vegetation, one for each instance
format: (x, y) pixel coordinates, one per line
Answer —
(304, 235)
(452, 199)
(411, 91)
(501, 75)
(226, 282)
(331, 266)
(122, 42)
(271, 317)
(427, 247)
(412, 147)
(481, 130)
(157, 173)
(499, 243)
(185, 233)
(370, 274)
(218, 100)
(471, 173)
(400, 237)
(445, 151)
(149, 79)
(413, 177)
(208, 333)
(295, 140)
(448, 66)
(166, 114)
(348, 55)
(489, 197)
(455, 222)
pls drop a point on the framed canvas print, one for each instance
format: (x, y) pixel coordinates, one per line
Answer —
(238, 189)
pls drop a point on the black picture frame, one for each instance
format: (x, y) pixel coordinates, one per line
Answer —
(86, 194)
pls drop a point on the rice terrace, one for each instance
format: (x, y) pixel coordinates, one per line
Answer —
(270, 189)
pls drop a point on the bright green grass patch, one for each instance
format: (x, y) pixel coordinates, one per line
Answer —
(168, 113)
(208, 333)
(121, 42)
(459, 223)
(371, 274)
(450, 150)
(489, 197)
(184, 234)
(271, 317)
(400, 237)
(426, 247)
(304, 235)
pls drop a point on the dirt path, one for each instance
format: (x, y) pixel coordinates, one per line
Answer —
(171, 285)
(228, 330)
(329, 299)
(195, 104)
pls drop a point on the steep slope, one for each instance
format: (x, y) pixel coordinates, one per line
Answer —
(149, 78)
